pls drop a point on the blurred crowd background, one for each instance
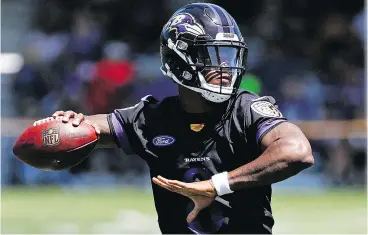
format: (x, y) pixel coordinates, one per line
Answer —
(94, 56)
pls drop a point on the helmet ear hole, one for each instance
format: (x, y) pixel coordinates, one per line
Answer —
(187, 76)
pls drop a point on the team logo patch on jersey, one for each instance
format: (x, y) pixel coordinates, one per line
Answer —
(163, 140)
(196, 127)
(265, 108)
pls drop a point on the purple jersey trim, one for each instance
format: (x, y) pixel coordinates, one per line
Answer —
(265, 127)
(120, 134)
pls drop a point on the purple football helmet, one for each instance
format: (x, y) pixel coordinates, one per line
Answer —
(203, 50)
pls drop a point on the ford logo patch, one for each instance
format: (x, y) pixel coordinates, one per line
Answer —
(163, 140)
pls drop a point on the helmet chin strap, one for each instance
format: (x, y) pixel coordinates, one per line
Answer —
(215, 98)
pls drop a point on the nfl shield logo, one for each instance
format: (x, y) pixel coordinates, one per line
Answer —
(50, 137)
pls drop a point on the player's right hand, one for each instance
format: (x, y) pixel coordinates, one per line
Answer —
(78, 118)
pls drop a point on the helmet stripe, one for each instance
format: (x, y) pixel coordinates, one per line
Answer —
(219, 29)
(223, 13)
(225, 19)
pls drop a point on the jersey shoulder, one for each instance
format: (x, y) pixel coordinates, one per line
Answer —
(158, 109)
(246, 98)
(127, 124)
(145, 106)
(250, 108)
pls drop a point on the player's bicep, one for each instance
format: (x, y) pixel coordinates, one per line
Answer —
(285, 130)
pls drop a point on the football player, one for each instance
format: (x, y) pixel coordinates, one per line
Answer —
(213, 150)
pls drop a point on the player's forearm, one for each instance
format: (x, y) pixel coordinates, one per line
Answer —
(282, 159)
(106, 139)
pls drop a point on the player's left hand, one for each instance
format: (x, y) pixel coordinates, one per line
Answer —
(202, 193)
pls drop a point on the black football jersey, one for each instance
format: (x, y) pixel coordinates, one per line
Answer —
(193, 147)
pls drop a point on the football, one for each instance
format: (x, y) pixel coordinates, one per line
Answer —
(50, 144)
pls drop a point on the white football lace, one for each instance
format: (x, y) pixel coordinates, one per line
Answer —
(48, 119)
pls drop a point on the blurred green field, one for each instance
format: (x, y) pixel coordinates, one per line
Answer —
(50, 210)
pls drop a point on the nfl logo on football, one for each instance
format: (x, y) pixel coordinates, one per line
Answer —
(50, 137)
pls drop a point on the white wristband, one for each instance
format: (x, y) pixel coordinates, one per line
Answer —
(221, 183)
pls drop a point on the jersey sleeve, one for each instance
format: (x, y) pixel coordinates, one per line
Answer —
(123, 122)
(264, 116)
(257, 116)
